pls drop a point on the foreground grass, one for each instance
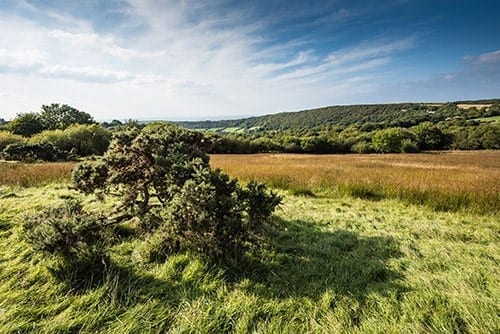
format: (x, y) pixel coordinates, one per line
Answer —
(330, 265)
(446, 181)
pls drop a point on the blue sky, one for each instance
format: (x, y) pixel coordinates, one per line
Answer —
(194, 60)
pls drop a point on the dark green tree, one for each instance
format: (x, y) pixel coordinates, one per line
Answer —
(390, 140)
(429, 136)
(56, 116)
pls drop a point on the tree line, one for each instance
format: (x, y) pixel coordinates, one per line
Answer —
(60, 132)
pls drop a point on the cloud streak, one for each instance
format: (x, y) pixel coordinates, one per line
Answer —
(195, 60)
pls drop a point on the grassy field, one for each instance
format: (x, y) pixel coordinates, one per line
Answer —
(32, 175)
(332, 263)
(442, 181)
(477, 106)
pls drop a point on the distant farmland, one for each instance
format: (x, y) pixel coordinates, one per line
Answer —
(477, 106)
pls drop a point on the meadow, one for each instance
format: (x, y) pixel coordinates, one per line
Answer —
(357, 246)
(442, 181)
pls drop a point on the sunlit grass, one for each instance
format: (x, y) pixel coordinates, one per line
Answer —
(32, 175)
(443, 181)
(331, 265)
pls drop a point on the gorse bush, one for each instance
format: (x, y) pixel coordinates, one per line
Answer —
(161, 176)
(66, 231)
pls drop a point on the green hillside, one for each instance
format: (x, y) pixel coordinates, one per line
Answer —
(387, 115)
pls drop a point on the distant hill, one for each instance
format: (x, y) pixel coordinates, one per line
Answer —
(399, 114)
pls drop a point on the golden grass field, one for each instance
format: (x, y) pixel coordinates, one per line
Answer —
(464, 177)
(477, 106)
(32, 175)
(444, 180)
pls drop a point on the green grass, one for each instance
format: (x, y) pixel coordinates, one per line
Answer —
(329, 265)
(491, 119)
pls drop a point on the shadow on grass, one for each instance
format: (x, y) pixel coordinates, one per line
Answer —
(299, 259)
(296, 259)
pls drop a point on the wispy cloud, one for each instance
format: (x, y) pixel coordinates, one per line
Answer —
(105, 44)
(189, 59)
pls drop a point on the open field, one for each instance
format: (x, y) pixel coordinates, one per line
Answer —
(342, 257)
(30, 175)
(443, 181)
(491, 119)
(330, 265)
(461, 180)
(477, 106)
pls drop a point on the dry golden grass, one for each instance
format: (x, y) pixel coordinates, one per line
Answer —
(444, 181)
(448, 180)
(31, 175)
(477, 106)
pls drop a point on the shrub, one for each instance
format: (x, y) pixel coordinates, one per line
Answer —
(65, 231)
(162, 176)
(7, 138)
(79, 140)
(363, 147)
(212, 215)
(90, 176)
(408, 146)
(32, 152)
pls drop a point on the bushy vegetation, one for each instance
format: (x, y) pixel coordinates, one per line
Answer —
(160, 177)
(393, 128)
(359, 129)
(77, 140)
(28, 152)
(66, 231)
(7, 138)
(57, 132)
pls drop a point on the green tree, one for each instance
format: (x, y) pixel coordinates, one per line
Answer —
(390, 140)
(56, 116)
(429, 136)
(26, 124)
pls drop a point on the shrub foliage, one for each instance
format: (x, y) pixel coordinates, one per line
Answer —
(66, 231)
(162, 178)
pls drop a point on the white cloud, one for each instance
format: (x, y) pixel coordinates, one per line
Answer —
(106, 44)
(21, 58)
(180, 65)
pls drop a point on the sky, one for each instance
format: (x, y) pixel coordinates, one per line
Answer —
(222, 59)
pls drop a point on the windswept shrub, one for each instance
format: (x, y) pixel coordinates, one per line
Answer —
(162, 176)
(259, 204)
(90, 176)
(146, 165)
